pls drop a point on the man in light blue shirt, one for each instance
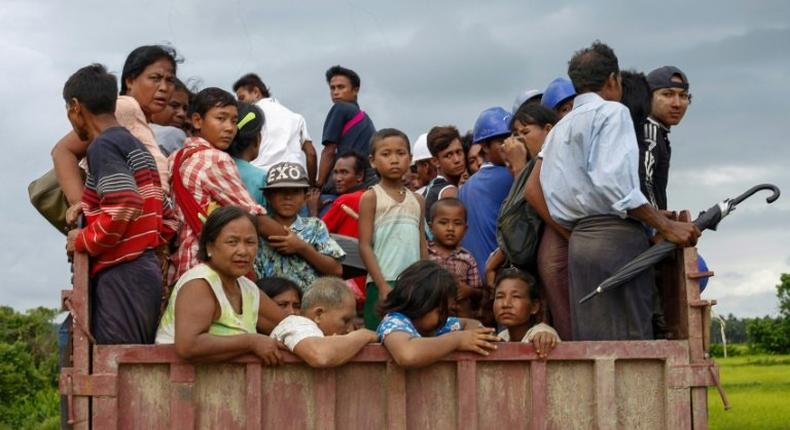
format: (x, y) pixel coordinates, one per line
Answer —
(590, 179)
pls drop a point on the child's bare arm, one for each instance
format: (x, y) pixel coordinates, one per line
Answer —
(268, 227)
(324, 264)
(290, 244)
(470, 324)
(367, 211)
(333, 351)
(423, 351)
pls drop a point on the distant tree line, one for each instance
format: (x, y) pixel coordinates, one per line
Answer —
(765, 334)
(29, 396)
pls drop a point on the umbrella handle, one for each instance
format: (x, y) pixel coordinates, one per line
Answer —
(751, 191)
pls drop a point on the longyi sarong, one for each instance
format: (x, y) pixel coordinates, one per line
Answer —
(553, 273)
(599, 246)
(126, 301)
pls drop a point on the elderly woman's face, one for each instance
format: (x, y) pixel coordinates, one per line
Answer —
(234, 250)
(153, 88)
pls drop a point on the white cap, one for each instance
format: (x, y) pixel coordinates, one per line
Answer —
(420, 151)
(524, 96)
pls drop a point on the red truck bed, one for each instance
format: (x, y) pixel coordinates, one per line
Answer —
(604, 385)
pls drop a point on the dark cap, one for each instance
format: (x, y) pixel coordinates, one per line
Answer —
(662, 78)
(286, 175)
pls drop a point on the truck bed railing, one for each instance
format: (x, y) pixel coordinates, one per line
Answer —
(607, 385)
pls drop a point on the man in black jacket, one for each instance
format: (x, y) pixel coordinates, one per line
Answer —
(670, 99)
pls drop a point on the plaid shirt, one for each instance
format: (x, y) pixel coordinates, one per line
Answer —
(460, 262)
(212, 177)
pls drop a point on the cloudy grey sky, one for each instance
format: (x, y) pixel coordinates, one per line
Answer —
(424, 64)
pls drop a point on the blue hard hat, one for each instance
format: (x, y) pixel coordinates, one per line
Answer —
(492, 122)
(523, 97)
(557, 92)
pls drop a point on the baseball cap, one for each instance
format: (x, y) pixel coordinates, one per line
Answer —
(286, 175)
(662, 78)
(524, 97)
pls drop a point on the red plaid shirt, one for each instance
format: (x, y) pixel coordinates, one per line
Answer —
(211, 176)
(460, 262)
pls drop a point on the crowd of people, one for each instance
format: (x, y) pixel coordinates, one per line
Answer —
(211, 221)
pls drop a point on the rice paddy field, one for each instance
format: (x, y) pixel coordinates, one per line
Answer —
(758, 387)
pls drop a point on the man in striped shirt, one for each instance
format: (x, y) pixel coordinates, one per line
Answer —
(127, 219)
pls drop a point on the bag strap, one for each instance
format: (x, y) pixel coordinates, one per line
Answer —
(352, 122)
(193, 213)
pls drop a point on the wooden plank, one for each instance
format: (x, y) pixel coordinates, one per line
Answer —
(325, 393)
(467, 395)
(105, 409)
(678, 400)
(699, 408)
(539, 392)
(288, 393)
(253, 400)
(695, 314)
(570, 383)
(182, 409)
(503, 405)
(376, 353)
(605, 400)
(674, 296)
(431, 397)
(640, 393)
(396, 397)
(81, 349)
(220, 396)
(105, 413)
(360, 385)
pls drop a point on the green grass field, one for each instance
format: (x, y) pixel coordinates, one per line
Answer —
(758, 387)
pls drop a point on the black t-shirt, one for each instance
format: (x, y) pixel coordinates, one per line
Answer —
(654, 155)
(357, 138)
(431, 194)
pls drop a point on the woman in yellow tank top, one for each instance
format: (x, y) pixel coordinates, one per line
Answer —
(219, 311)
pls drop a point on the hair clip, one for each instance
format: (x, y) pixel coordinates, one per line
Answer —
(246, 120)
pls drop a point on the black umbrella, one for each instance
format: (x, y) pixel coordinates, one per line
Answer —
(707, 220)
(352, 264)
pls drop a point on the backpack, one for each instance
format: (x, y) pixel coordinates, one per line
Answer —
(518, 226)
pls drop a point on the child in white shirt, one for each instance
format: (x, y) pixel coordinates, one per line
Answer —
(321, 334)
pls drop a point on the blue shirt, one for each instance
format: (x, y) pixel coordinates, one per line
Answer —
(254, 179)
(483, 195)
(396, 321)
(591, 162)
(357, 138)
